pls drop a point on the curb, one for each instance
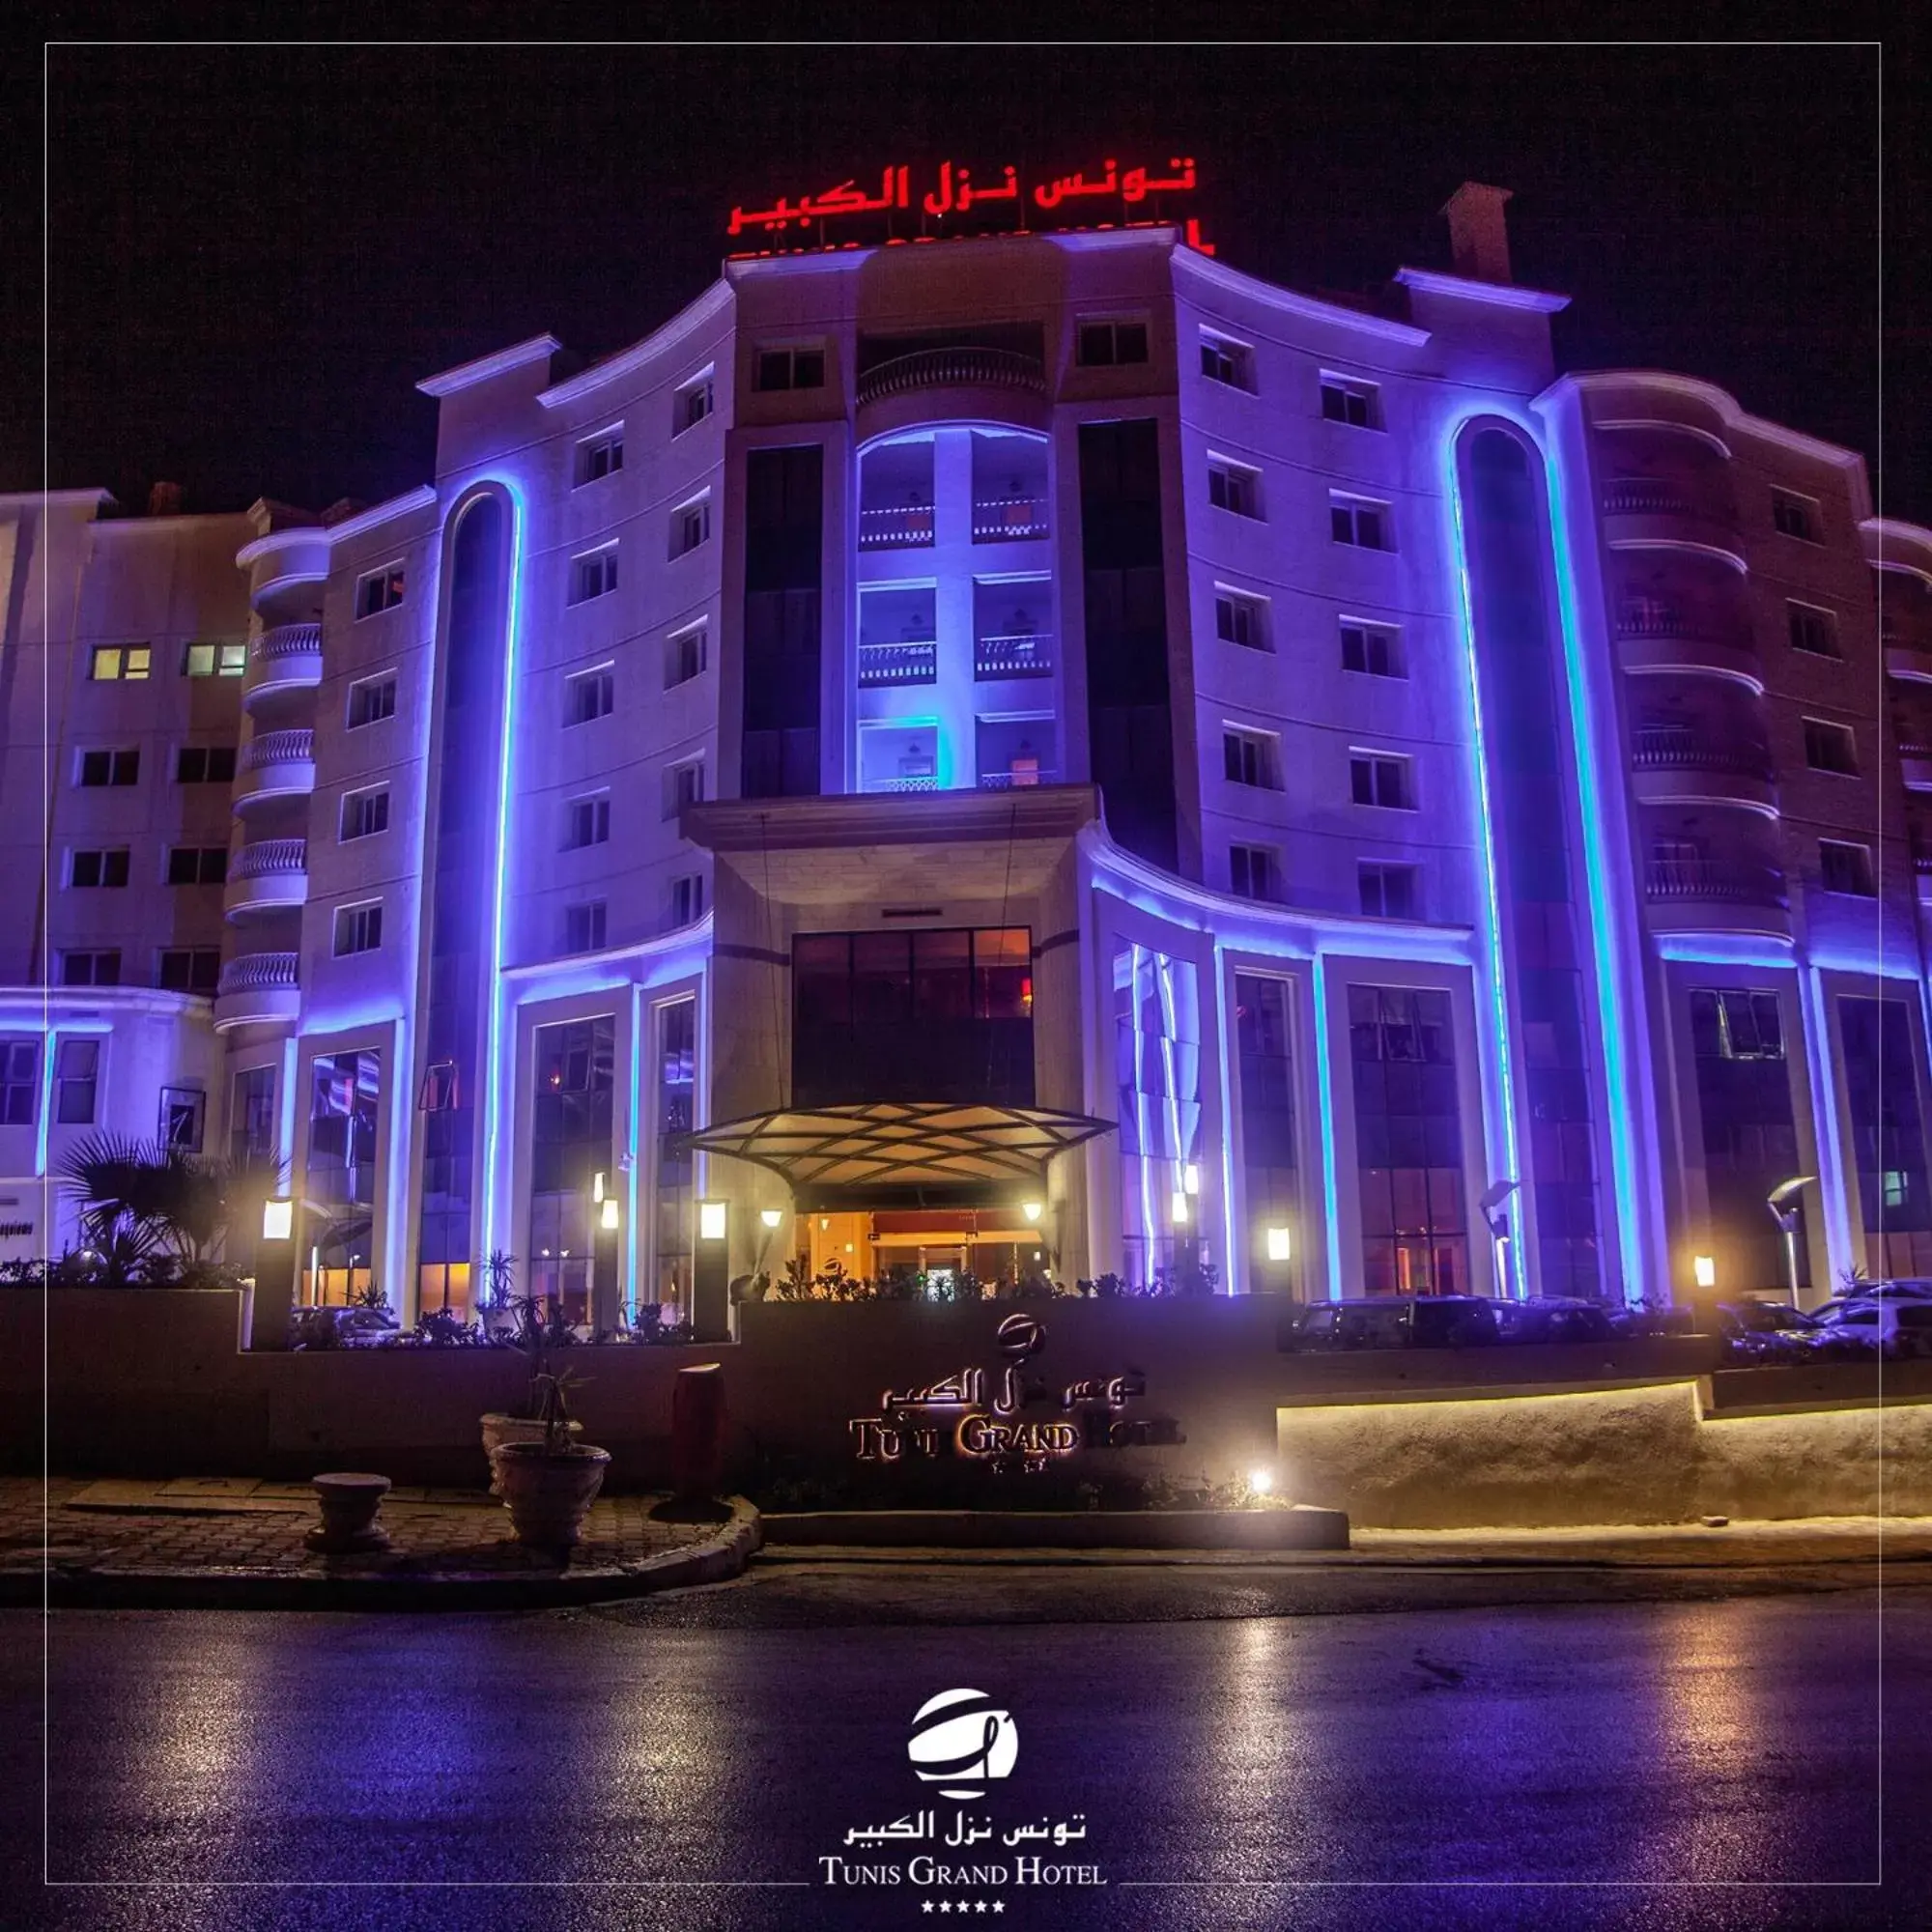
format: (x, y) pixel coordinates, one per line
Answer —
(716, 1560)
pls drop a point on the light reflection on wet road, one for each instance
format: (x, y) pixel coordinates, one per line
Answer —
(1417, 1769)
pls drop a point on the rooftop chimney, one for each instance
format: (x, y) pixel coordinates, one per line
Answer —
(164, 499)
(1478, 235)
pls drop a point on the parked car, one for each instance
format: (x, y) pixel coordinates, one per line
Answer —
(1555, 1318)
(1759, 1333)
(1900, 1328)
(1397, 1322)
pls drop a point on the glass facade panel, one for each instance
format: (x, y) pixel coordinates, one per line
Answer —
(345, 1109)
(573, 1257)
(676, 1115)
(1157, 1076)
(1888, 1134)
(1269, 1163)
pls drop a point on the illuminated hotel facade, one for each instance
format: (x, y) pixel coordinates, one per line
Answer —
(1328, 806)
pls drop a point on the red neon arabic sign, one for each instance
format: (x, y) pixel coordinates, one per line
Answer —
(954, 196)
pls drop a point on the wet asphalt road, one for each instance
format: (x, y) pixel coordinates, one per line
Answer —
(686, 1762)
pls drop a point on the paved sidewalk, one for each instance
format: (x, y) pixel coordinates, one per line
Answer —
(234, 1541)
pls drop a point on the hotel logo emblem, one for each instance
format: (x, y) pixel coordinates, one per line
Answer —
(961, 1744)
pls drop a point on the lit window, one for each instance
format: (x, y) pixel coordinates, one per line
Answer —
(371, 700)
(110, 768)
(379, 591)
(364, 813)
(1346, 401)
(129, 663)
(588, 823)
(583, 928)
(1373, 649)
(1251, 759)
(1388, 891)
(76, 1079)
(183, 1116)
(694, 403)
(358, 928)
(197, 864)
(791, 369)
(91, 969)
(1234, 487)
(600, 456)
(589, 695)
(1376, 779)
(1253, 872)
(205, 764)
(1844, 868)
(1105, 345)
(1225, 362)
(1359, 522)
(1830, 747)
(100, 869)
(687, 898)
(1794, 515)
(215, 660)
(20, 1081)
(1812, 630)
(188, 969)
(593, 576)
(690, 526)
(683, 657)
(1242, 620)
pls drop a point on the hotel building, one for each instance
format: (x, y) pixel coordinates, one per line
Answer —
(1044, 752)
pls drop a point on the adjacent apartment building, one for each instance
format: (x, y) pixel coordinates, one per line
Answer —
(1039, 753)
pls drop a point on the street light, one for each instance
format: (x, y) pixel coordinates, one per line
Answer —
(771, 1216)
(1280, 1244)
(1704, 1270)
(610, 1215)
(1787, 1221)
(711, 1220)
(1032, 1209)
(278, 1220)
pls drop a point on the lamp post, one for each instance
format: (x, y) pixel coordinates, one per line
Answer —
(711, 1274)
(274, 1277)
(1787, 1212)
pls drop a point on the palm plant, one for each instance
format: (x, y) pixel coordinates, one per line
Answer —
(142, 1200)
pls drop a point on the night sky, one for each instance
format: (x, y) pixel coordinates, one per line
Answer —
(257, 251)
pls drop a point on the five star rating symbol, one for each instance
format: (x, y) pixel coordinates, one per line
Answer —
(963, 1905)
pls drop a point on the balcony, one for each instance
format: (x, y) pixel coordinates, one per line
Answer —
(1671, 513)
(1658, 638)
(1009, 520)
(1912, 662)
(286, 658)
(1029, 655)
(1921, 864)
(914, 662)
(1915, 765)
(1011, 780)
(269, 875)
(926, 782)
(959, 385)
(275, 764)
(258, 988)
(1674, 764)
(1716, 895)
(909, 527)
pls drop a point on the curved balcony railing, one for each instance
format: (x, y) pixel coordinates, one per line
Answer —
(268, 857)
(952, 368)
(289, 640)
(1671, 749)
(1009, 779)
(907, 527)
(259, 973)
(905, 785)
(907, 663)
(1714, 880)
(1640, 497)
(1008, 518)
(1663, 620)
(1025, 655)
(278, 748)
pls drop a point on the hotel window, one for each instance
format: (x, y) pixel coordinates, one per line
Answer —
(583, 926)
(364, 813)
(593, 576)
(601, 455)
(1373, 649)
(183, 1118)
(197, 864)
(358, 928)
(1741, 1025)
(684, 784)
(188, 969)
(1357, 522)
(588, 694)
(1388, 891)
(99, 868)
(687, 898)
(1794, 515)
(379, 591)
(205, 764)
(1812, 630)
(1830, 747)
(1749, 1120)
(19, 1077)
(1346, 401)
(1105, 345)
(251, 1120)
(229, 660)
(110, 768)
(93, 969)
(790, 369)
(1242, 620)
(1253, 872)
(1229, 363)
(690, 526)
(675, 1115)
(114, 663)
(1844, 868)
(1251, 759)
(1376, 779)
(1408, 1142)
(76, 1081)
(1234, 487)
(371, 700)
(345, 1109)
(572, 1254)
(1268, 1154)
(587, 821)
(683, 657)
(692, 403)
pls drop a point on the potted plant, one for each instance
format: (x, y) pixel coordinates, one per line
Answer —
(549, 1484)
(535, 1330)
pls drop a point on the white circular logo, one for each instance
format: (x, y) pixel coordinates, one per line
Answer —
(961, 1744)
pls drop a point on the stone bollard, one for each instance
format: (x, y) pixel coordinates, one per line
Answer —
(348, 1504)
(697, 1433)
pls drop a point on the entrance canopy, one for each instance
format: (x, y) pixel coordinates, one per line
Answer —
(932, 1151)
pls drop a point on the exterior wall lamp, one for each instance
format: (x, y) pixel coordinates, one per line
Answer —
(278, 1220)
(771, 1216)
(1177, 1210)
(1032, 1209)
(609, 1219)
(1280, 1244)
(1704, 1270)
(711, 1220)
